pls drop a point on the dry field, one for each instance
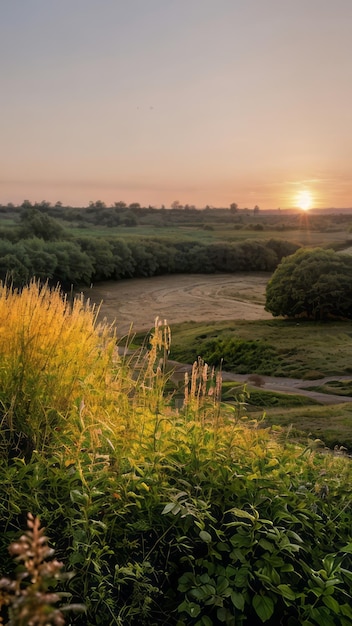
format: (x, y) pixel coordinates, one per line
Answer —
(179, 298)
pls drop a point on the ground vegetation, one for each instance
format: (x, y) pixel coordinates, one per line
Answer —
(184, 516)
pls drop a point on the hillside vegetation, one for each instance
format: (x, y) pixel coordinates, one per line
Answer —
(80, 246)
(176, 517)
(277, 347)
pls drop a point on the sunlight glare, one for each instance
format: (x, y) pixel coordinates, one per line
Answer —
(304, 200)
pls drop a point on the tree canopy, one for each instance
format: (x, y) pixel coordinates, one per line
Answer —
(315, 283)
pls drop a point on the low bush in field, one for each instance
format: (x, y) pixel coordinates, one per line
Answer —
(165, 517)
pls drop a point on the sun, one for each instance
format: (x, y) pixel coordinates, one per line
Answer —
(304, 200)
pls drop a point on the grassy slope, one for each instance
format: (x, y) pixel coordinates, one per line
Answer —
(303, 349)
(306, 350)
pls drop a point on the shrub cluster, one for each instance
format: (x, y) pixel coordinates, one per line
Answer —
(164, 516)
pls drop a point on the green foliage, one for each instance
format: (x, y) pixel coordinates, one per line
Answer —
(315, 283)
(166, 517)
(38, 251)
(100, 257)
(238, 355)
(35, 223)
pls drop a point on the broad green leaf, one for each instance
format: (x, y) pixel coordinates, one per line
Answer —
(346, 573)
(204, 621)
(189, 607)
(205, 536)
(244, 514)
(346, 610)
(222, 585)
(287, 592)
(331, 603)
(186, 581)
(167, 508)
(263, 606)
(347, 548)
(199, 593)
(221, 614)
(267, 545)
(205, 578)
(322, 616)
(237, 600)
(288, 567)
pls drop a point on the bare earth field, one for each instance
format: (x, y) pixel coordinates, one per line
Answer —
(180, 298)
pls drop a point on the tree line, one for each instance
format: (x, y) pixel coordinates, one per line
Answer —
(39, 246)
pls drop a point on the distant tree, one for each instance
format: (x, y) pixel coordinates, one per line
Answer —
(100, 255)
(13, 271)
(14, 263)
(73, 266)
(256, 210)
(134, 206)
(282, 248)
(120, 205)
(129, 219)
(234, 207)
(315, 283)
(124, 263)
(41, 259)
(26, 204)
(176, 205)
(98, 204)
(34, 223)
(42, 205)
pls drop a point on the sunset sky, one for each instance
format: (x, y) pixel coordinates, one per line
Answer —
(201, 101)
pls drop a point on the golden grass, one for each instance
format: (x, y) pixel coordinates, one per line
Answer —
(52, 353)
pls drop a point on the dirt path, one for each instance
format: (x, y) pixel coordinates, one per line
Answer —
(180, 298)
(274, 383)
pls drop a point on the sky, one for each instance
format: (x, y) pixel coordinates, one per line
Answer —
(207, 102)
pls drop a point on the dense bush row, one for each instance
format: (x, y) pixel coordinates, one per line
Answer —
(167, 517)
(40, 247)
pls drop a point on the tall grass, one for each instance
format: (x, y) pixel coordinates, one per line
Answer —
(53, 355)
